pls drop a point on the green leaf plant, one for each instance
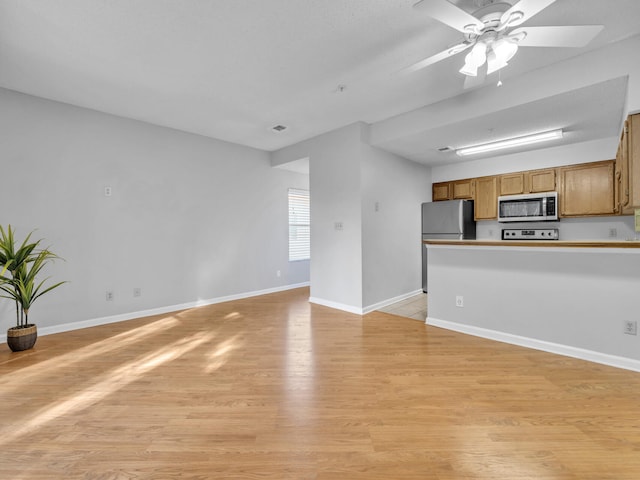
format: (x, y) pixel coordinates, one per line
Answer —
(20, 267)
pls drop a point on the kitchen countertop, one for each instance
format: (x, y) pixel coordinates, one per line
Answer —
(539, 243)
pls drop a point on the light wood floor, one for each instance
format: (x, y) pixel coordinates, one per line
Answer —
(413, 307)
(275, 388)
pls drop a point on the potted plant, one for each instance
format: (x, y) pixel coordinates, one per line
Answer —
(21, 266)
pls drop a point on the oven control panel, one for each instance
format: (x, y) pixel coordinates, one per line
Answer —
(530, 234)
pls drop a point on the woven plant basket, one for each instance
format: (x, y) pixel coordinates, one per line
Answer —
(22, 338)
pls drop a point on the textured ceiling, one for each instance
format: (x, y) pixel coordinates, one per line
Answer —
(232, 69)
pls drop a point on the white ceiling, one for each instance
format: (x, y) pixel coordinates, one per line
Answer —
(233, 69)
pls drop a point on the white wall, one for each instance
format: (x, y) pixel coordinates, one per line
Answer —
(190, 218)
(571, 301)
(391, 235)
(593, 151)
(376, 257)
(335, 184)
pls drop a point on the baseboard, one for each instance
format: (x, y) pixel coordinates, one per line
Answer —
(364, 310)
(566, 350)
(336, 305)
(94, 322)
(390, 301)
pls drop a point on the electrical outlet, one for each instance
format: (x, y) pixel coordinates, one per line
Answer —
(278, 273)
(109, 296)
(137, 292)
(613, 232)
(107, 191)
(630, 327)
(459, 301)
(338, 226)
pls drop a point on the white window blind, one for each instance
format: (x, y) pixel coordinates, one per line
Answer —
(299, 228)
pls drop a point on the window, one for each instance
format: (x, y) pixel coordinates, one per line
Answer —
(299, 229)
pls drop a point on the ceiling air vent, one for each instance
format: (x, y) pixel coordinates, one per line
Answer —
(279, 128)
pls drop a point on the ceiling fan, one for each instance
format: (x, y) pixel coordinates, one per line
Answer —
(491, 36)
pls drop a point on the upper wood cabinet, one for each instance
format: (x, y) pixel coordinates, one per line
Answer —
(533, 181)
(541, 180)
(622, 173)
(442, 191)
(512, 183)
(456, 190)
(633, 145)
(486, 198)
(628, 167)
(463, 189)
(587, 189)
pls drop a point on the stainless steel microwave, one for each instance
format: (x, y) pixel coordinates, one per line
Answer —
(530, 207)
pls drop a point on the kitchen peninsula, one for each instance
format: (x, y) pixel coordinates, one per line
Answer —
(566, 297)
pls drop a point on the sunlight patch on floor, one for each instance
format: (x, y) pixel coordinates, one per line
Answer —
(218, 357)
(104, 386)
(25, 376)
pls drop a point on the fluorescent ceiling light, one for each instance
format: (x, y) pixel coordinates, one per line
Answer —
(510, 142)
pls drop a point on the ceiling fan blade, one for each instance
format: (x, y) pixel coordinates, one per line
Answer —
(568, 36)
(449, 52)
(523, 11)
(450, 14)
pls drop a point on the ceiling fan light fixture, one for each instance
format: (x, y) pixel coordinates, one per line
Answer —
(493, 63)
(504, 50)
(479, 53)
(511, 142)
(469, 70)
(474, 59)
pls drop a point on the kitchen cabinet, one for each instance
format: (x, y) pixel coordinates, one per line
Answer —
(441, 191)
(512, 183)
(455, 190)
(541, 180)
(628, 167)
(533, 181)
(486, 198)
(587, 189)
(463, 189)
(633, 145)
(622, 173)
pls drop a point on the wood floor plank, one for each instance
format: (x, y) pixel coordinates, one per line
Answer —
(273, 387)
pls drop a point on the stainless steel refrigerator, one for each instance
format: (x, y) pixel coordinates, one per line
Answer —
(448, 220)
